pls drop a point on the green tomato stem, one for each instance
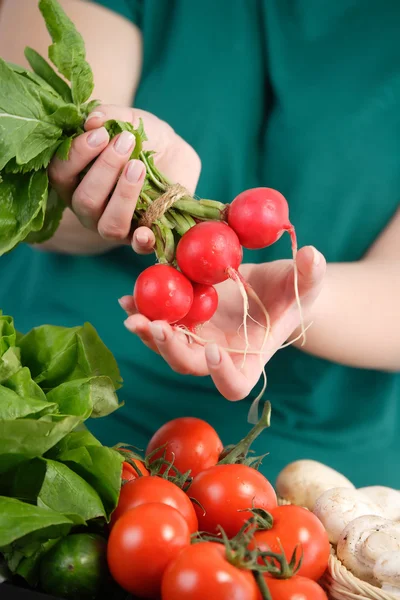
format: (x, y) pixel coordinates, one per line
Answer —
(262, 585)
(240, 451)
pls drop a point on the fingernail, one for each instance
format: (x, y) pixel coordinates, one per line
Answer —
(316, 257)
(124, 142)
(123, 303)
(157, 332)
(96, 114)
(134, 171)
(142, 237)
(97, 137)
(213, 355)
(131, 328)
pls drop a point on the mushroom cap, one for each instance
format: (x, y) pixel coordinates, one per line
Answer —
(387, 566)
(363, 542)
(387, 498)
(303, 481)
(337, 507)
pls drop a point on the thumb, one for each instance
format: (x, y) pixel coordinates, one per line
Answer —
(143, 240)
(311, 266)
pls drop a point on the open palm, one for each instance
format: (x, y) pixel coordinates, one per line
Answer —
(221, 351)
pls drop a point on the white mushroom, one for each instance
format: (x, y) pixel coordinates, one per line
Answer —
(387, 571)
(337, 507)
(387, 498)
(303, 481)
(363, 542)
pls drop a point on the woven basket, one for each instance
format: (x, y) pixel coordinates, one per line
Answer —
(340, 584)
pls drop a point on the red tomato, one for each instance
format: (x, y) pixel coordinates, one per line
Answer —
(202, 571)
(295, 588)
(141, 545)
(223, 491)
(292, 526)
(154, 489)
(129, 472)
(190, 444)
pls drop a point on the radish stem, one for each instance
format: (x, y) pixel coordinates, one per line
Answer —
(252, 416)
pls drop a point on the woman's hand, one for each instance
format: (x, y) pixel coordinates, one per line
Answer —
(233, 376)
(105, 200)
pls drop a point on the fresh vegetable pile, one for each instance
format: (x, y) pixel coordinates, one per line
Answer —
(79, 520)
(188, 518)
(198, 242)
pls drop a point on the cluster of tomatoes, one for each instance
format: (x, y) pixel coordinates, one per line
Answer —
(248, 545)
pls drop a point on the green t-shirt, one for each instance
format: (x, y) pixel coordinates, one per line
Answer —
(299, 95)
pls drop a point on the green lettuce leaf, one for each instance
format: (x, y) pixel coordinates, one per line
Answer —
(8, 334)
(114, 127)
(101, 467)
(52, 484)
(10, 363)
(22, 439)
(75, 439)
(58, 354)
(52, 217)
(67, 52)
(22, 201)
(68, 117)
(24, 128)
(22, 384)
(21, 523)
(46, 72)
(40, 85)
(40, 161)
(65, 147)
(98, 465)
(13, 406)
(82, 83)
(25, 438)
(28, 566)
(97, 393)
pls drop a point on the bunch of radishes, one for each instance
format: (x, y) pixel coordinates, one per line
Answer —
(209, 253)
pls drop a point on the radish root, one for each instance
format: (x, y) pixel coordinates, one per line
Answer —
(252, 416)
(296, 338)
(202, 341)
(236, 277)
(291, 231)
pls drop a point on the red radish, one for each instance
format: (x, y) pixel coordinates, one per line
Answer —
(205, 303)
(163, 293)
(208, 251)
(259, 217)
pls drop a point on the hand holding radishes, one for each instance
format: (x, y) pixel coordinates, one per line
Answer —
(105, 198)
(273, 283)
